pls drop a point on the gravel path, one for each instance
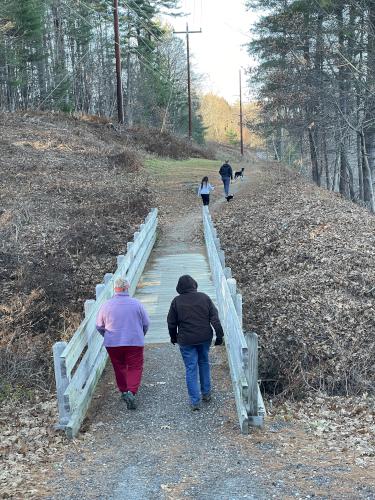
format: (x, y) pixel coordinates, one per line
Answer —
(162, 450)
(165, 451)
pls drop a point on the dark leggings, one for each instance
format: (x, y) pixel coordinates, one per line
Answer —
(205, 199)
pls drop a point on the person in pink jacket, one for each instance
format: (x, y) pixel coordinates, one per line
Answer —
(123, 322)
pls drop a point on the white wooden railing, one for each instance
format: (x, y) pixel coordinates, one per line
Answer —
(80, 362)
(242, 349)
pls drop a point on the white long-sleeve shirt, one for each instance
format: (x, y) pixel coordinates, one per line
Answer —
(205, 189)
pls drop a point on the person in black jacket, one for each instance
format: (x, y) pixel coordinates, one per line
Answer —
(226, 176)
(190, 317)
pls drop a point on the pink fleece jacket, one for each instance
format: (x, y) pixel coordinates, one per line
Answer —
(123, 321)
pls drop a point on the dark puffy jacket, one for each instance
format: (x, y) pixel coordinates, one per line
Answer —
(191, 315)
(226, 171)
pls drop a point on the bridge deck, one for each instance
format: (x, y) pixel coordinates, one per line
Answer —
(157, 287)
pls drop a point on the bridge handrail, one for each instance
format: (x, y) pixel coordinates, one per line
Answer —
(242, 348)
(80, 362)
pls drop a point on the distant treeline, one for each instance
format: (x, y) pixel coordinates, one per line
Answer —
(59, 55)
(222, 121)
(316, 81)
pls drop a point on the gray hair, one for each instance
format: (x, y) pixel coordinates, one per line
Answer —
(122, 283)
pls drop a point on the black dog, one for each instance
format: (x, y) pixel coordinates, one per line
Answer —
(239, 174)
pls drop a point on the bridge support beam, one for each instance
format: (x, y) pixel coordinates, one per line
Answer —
(62, 382)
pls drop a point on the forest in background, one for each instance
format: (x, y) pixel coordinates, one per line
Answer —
(222, 121)
(59, 55)
(316, 85)
(314, 82)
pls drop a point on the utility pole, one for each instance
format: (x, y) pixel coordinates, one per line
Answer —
(241, 125)
(187, 32)
(120, 104)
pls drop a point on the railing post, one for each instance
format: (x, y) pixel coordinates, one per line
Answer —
(136, 242)
(62, 382)
(99, 289)
(238, 304)
(221, 257)
(107, 278)
(130, 250)
(252, 373)
(232, 285)
(88, 305)
(120, 260)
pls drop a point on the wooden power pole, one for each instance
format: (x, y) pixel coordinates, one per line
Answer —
(120, 103)
(241, 124)
(187, 32)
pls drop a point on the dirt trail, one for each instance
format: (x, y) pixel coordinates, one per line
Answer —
(182, 227)
(164, 451)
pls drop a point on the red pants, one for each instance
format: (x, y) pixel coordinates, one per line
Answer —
(127, 362)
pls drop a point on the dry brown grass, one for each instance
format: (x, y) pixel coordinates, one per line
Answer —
(72, 196)
(304, 259)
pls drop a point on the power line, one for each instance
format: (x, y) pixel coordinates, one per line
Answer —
(147, 63)
(78, 14)
(63, 80)
(236, 30)
(138, 9)
(133, 10)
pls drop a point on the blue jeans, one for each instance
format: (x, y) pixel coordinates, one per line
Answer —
(226, 182)
(196, 360)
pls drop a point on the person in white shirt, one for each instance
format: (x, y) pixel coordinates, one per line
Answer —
(204, 190)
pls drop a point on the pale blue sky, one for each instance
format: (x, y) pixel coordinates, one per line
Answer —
(217, 52)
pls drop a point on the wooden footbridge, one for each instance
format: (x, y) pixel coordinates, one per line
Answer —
(153, 276)
(157, 287)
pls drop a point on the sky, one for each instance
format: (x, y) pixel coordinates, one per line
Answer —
(218, 53)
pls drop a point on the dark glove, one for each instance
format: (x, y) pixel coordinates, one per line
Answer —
(219, 341)
(173, 340)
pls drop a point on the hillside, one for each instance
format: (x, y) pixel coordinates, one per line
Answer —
(73, 192)
(305, 262)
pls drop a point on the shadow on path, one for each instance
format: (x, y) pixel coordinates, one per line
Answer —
(163, 450)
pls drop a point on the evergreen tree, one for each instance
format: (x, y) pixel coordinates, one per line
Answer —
(58, 54)
(316, 85)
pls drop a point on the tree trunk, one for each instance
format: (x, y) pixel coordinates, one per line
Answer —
(368, 190)
(314, 157)
(360, 170)
(370, 85)
(326, 163)
(344, 186)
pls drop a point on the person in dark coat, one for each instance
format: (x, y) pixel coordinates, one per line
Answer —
(191, 316)
(226, 176)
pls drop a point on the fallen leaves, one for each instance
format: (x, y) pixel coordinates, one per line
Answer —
(80, 199)
(304, 261)
(28, 440)
(346, 424)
